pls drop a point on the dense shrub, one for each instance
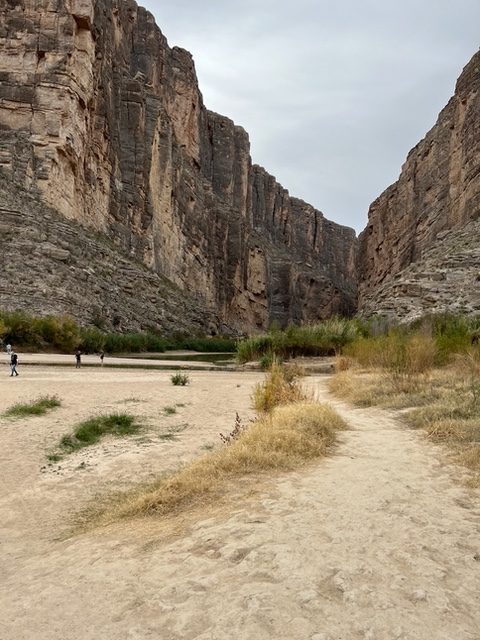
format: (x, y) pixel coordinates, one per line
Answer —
(214, 344)
(432, 340)
(452, 334)
(322, 339)
(133, 343)
(58, 332)
(62, 333)
(180, 379)
(92, 340)
(279, 387)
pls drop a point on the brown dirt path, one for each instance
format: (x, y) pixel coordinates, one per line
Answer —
(376, 542)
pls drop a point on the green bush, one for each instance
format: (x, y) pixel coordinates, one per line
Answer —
(432, 340)
(19, 328)
(268, 359)
(214, 344)
(254, 347)
(321, 339)
(90, 431)
(179, 379)
(35, 408)
(134, 343)
(92, 340)
(452, 335)
(22, 329)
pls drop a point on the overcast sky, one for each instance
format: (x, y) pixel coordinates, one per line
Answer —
(332, 93)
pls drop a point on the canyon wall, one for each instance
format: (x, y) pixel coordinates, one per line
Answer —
(104, 123)
(419, 252)
(50, 264)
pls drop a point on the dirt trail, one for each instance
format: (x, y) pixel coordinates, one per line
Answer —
(376, 542)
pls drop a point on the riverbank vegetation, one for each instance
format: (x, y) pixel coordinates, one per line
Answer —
(368, 341)
(431, 372)
(63, 334)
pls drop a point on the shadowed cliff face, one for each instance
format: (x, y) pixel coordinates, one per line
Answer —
(438, 193)
(104, 122)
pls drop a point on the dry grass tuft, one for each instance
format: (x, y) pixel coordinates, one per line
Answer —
(342, 363)
(363, 390)
(38, 407)
(445, 403)
(280, 387)
(287, 437)
(470, 456)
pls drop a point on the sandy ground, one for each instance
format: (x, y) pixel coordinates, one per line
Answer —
(376, 542)
(112, 361)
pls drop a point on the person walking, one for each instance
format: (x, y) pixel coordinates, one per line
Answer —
(78, 359)
(13, 364)
(9, 349)
(102, 356)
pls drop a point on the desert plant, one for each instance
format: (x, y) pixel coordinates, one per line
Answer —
(468, 366)
(321, 339)
(179, 379)
(267, 360)
(452, 335)
(235, 433)
(420, 356)
(213, 344)
(409, 359)
(64, 334)
(342, 363)
(279, 387)
(35, 408)
(90, 431)
(282, 440)
(169, 411)
(444, 404)
(92, 340)
(3, 329)
(254, 347)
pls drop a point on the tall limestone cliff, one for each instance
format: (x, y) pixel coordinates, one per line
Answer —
(104, 123)
(420, 251)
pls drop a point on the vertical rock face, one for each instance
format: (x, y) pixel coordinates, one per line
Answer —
(438, 192)
(105, 123)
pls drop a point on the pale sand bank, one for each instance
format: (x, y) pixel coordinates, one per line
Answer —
(376, 542)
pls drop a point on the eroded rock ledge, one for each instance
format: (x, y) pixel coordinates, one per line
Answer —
(104, 123)
(419, 252)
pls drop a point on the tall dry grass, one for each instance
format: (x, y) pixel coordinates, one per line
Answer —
(287, 437)
(445, 402)
(280, 387)
(321, 339)
(396, 352)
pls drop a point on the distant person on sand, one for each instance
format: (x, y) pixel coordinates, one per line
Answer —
(9, 349)
(102, 356)
(13, 364)
(78, 359)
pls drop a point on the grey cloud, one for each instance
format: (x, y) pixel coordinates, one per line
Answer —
(333, 94)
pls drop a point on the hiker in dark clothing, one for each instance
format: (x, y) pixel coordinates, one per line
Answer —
(78, 359)
(13, 364)
(102, 356)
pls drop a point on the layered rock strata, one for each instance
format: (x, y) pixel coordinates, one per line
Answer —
(438, 192)
(103, 122)
(445, 280)
(50, 264)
